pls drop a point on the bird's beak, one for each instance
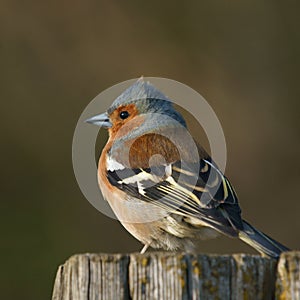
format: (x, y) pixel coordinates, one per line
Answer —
(101, 120)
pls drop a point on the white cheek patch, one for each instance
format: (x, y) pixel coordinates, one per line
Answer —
(112, 165)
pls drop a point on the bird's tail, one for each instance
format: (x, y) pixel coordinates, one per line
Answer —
(261, 242)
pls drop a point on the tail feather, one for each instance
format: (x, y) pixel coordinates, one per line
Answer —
(261, 242)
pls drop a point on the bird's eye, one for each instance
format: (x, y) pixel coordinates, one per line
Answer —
(124, 114)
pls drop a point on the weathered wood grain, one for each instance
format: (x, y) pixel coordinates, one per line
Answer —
(92, 276)
(166, 275)
(288, 276)
(231, 277)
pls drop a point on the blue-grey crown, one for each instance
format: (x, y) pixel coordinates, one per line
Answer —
(148, 99)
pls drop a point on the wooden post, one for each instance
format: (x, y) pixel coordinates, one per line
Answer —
(167, 275)
(288, 276)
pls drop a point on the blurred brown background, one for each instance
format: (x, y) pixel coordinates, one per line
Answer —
(243, 57)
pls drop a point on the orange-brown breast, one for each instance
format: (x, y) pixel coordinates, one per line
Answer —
(102, 171)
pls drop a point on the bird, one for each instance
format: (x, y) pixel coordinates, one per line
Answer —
(161, 184)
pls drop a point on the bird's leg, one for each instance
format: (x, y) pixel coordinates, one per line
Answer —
(144, 249)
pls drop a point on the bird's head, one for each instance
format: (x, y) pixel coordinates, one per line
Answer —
(140, 104)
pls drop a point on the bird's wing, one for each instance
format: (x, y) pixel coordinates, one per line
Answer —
(194, 191)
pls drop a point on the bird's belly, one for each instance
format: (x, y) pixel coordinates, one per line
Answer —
(153, 225)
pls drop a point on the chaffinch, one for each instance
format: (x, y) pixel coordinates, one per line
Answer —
(162, 186)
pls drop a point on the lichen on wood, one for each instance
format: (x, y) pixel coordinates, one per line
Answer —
(167, 275)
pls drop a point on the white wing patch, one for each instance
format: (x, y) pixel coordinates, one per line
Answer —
(168, 170)
(141, 188)
(113, 165)
(143, 176)
(137, 178)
